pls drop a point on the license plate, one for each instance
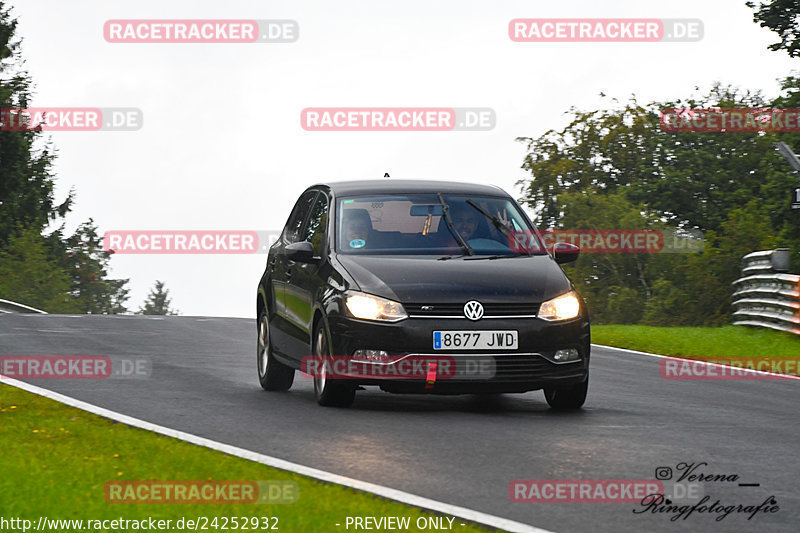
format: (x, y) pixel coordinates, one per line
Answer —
(475, 340)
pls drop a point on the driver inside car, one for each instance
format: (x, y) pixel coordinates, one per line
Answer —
(465, 220)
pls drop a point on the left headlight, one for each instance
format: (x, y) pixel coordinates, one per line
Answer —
(369, 307)
(562, 307)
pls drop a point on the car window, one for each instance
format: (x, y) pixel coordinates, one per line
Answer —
(314, 230)
(298, 216)
(414, 224)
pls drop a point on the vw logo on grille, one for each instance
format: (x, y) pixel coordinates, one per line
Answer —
(473, 310)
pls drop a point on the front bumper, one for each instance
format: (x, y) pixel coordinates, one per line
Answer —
(529, 367)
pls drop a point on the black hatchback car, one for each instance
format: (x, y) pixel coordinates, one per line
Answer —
(419, 287)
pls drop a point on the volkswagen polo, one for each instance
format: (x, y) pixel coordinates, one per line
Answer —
(419, 287)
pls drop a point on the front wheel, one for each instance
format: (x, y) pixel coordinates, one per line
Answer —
(328, 393)
(567, 398)
(272, 374)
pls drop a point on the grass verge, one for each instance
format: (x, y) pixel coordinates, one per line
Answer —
(57, 459)
(738, 343)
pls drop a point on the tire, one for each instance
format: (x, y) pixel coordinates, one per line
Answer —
(569, 398)
(328, 393)
(272, 374)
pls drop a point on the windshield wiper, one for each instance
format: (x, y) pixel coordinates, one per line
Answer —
(497, 224)
(449, 222)
(499, 256)
(459, 256)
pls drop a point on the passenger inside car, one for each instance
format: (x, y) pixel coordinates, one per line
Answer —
(357, 228)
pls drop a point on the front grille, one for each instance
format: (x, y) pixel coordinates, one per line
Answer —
(457, 310)
(522, 368)
(530, 367)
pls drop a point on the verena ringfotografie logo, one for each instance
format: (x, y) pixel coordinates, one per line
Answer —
(397, 119)
(71, 119)
(189, 241)
(582, 490)
(200, 492)
(73, 367)
(690, 481)
(637, 241)
(605, 30)
(720, 120)
(730, 369)
(201, 31)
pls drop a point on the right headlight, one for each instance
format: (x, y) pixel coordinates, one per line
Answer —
(562, 307)
(369, 307)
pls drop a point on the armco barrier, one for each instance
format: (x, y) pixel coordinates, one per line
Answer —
(765, 295)
(7, 306)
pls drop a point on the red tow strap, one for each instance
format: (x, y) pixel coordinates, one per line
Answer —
(431, 375)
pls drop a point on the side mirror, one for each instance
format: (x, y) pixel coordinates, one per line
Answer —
(565, 252)
(302, 252)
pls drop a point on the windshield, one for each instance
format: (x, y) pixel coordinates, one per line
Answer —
(418, 224)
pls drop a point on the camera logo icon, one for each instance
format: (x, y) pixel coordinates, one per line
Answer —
(663, 473)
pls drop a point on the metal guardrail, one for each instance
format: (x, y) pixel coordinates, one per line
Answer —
(765, 296)
(7, 306)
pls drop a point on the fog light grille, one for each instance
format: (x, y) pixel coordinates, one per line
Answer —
(569, 354)
(370, 355)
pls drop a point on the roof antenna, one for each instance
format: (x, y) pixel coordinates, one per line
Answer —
(386, 175)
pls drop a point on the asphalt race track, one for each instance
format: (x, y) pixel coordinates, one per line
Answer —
(462, 450)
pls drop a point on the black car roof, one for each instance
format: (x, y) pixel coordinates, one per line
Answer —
(389, 185)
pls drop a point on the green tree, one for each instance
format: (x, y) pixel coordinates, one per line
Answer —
(26, 179)
(27, 201)
(28, 274)
(781, 216)
(687, 179)
(782, 17)
(83, 256)
(158, 301)
(614, 284)
(616, 168)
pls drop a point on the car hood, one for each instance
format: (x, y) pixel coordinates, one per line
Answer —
(417, 279)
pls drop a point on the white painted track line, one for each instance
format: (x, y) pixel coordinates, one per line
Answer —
(787, 377)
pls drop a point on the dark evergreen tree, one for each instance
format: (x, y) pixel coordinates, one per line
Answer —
(158, 301)
(55, 272)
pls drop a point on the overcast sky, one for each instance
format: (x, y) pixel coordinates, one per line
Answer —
(222, 147)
